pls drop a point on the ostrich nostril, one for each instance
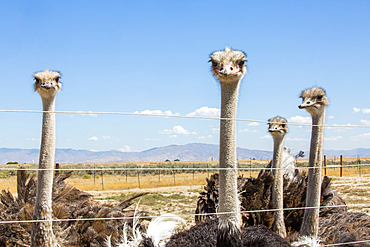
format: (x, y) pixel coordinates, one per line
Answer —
(231, 68)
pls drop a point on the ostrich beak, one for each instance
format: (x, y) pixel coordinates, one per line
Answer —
(228, 69)
(306, 104)
(47, 85)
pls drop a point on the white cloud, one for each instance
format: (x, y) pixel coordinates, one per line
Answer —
(248, 130)
(205, 111)
(93, 138)
(361, 138)
(333, 138)
(152, 139)
(365, 122)
(363, 110)
(125, 149)
(300, 120)
(173, 136)
(296, 139)
(32, 139)
(107, 137)
(340, 129)
(156, 112)
(178, 129)
(331, 117)
(253, 124)
(90, 113)
(215, 130)
(205, 137)
(266, 137)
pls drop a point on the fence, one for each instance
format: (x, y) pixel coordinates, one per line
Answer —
(176, 170)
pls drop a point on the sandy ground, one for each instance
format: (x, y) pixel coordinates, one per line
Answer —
(183, 204)
(354, 190)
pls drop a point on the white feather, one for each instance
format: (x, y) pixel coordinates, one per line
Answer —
(163, 227)
(306, 241)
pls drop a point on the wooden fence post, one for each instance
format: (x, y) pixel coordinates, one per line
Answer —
(207, 170)
(102, 181)
(138, 174)
(174, 174)
(341, 165)
(126, 173)
(359, 165)
(57, 169)
(325, 164)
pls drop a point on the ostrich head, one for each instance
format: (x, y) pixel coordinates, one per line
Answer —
(228, 65)
(278, 126)
(314, 100)
(47, 83)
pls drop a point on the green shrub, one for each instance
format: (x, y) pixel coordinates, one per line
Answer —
(3, 175)
(86, 176)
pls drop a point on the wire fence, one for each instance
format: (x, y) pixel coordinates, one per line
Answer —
(133, 170)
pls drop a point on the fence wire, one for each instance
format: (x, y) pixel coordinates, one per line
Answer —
(183, 168)
(180, 215)
(171, 168)
(180, 116)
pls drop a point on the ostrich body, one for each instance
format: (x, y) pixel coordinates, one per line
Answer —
(229, 68)
(315, 102)
(47, 85)
(278, 128)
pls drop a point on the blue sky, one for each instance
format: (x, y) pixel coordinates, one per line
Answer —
(152, 56)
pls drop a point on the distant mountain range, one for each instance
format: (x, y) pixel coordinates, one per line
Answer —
(188, 152)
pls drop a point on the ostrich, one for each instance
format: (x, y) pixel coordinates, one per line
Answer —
(47, 85)
(314, 101)
(278, 128)
(228, 67)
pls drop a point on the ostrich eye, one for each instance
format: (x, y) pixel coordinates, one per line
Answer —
(37, 81)
(320, 97)
(57, 79)
(283, 125)
(241, 63)
(214, 64)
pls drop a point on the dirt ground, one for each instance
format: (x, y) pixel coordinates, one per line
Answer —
(179, 200)
(182, 200)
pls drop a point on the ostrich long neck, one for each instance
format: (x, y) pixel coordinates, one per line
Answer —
(310, 222)
(42, 210)
(277, 188)
(229, 201)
